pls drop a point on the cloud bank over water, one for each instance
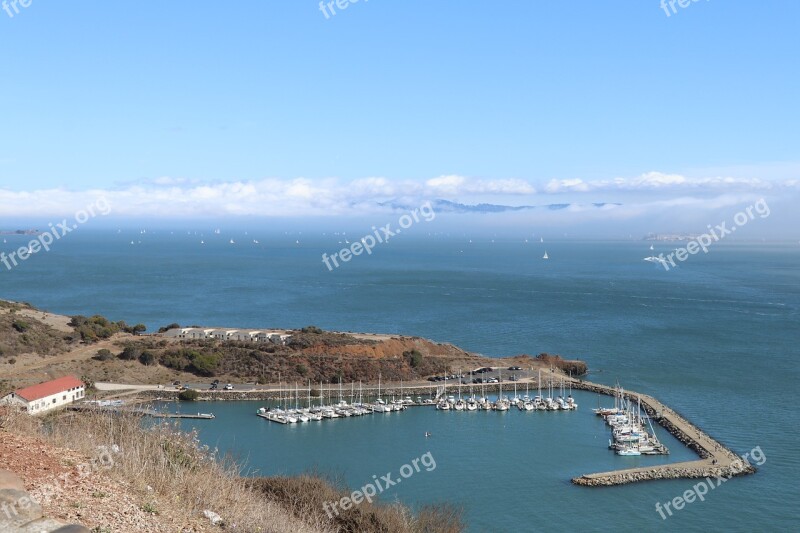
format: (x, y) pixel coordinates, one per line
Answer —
(652, 196)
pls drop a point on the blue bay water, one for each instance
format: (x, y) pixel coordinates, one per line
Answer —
(716, 339)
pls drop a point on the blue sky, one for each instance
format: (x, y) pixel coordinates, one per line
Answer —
(514, 102)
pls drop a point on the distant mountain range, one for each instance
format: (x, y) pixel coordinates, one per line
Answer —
(455, 207)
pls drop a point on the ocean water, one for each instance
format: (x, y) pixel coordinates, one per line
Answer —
(717, 339)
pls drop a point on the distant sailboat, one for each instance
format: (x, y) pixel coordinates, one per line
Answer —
(651, 247)
(545, 256)
(255, 241)
(541, 239)
(232, 242)
(202, 242)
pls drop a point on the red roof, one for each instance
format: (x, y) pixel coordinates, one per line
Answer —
(43, 390)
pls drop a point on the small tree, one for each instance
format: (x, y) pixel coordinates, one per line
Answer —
(130, 353)
(147, 358)
(414, 358)
(89, 383)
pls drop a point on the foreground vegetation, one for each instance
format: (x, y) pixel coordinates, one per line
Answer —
(167, 467)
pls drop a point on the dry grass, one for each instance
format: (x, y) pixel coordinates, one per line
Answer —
(307, 494)
(169, 468)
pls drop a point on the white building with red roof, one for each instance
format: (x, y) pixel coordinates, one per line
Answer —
(47, 396)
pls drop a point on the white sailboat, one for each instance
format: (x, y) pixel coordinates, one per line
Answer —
(545, 256)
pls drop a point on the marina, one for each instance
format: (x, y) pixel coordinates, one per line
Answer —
(290, 411)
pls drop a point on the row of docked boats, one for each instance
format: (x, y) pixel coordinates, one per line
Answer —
(632, 432)
(562, 402)
(285, 414)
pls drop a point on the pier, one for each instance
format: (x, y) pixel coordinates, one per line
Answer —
(120, 408)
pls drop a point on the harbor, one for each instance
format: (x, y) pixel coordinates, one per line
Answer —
(630, 420)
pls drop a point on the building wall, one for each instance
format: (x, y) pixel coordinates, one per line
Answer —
(50, 402)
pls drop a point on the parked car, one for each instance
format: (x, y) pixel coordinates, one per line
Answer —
(493, 380)
(513, 378)
(214, 386)
(515, 368)
(228, 387)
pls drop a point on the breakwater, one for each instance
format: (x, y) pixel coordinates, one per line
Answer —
(715, 460)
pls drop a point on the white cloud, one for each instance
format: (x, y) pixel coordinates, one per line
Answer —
(172, 197)
(459, 185)
(659, 181)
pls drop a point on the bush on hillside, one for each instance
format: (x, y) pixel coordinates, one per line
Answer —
(188, 395)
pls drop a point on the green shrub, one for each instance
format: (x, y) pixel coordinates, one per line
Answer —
(188, 395)
(103, 355)
(205, 364)
(20, 326)
(414, 358)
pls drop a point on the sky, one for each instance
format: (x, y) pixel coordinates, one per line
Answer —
(281, 108)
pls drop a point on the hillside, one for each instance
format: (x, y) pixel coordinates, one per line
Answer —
(23, 332)
(107, 351)
(111, 473)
